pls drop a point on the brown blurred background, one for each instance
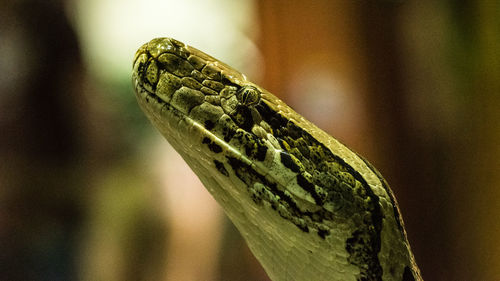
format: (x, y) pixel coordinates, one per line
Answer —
(90, 191)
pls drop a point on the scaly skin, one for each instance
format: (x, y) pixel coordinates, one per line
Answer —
(308, 207)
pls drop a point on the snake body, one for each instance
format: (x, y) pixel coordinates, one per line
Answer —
(308, 207)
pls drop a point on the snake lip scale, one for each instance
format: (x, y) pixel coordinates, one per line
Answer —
(308, 207)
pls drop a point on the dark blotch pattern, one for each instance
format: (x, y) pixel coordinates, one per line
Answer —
(408, 275)
(242, 116)
(332, 181)
(226, 127)
(323, 232)
(279, 199)
(309, 187)
(220, 167)
(385, 185)
(356, 246)
(209, 125)
(287, 160)
(254, 147)
(261, 152)
(211, 145)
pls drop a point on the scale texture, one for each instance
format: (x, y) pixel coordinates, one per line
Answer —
(308, 207)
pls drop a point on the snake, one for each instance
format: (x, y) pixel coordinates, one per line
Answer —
(308, 207)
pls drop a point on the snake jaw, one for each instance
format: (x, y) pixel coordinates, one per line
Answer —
(273, 172)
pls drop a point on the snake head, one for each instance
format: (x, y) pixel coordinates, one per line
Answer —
(170, 74)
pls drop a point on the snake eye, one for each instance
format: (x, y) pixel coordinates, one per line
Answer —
(248, 95)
